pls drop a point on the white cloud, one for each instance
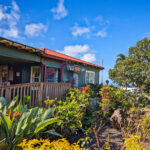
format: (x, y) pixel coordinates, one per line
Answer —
(80, 51)
(12, 32)
(90, 57)
(60, 11)
(9, 17)
(15, 6)
(35, 29)
(101, 33)
(78, 31)
(75, 50)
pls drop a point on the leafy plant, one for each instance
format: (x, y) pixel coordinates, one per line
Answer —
(71, 110)
(18, 122)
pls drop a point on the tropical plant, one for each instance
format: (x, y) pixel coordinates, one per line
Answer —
(18, 122)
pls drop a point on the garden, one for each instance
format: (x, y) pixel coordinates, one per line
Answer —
(78, 121)
(93, 117)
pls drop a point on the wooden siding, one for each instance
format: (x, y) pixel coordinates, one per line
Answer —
(38, 92)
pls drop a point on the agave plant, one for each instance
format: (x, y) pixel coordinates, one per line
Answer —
(18, 122)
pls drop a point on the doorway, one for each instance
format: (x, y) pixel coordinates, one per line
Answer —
(76, 79)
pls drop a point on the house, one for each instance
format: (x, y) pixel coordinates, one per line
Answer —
(20, 64)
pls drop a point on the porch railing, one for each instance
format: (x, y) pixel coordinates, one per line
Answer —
(37, 91)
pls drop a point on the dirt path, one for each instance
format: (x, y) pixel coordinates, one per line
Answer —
(115, 139)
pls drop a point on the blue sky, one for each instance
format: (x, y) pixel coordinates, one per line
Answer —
(91, 30)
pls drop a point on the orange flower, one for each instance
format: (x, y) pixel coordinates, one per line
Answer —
(17, 114)
(9, 113)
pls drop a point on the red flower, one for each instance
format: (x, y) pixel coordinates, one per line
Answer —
(84, 88)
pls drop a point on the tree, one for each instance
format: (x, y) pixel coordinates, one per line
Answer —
(120, 57)
(135, 68)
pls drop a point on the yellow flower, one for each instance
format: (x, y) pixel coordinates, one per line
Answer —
(45, 144)
(132, 143)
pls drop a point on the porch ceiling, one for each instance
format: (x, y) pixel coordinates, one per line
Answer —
(9, 60)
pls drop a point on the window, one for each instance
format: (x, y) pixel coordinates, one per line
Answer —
(35, 74)
(52, 75)
(90, 77)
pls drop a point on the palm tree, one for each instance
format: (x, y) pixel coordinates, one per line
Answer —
(120, 57)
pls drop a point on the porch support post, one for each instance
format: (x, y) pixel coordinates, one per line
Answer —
(40, 95)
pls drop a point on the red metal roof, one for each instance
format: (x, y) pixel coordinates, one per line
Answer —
(67, 58)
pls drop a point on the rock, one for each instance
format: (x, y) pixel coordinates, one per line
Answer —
(117, 119)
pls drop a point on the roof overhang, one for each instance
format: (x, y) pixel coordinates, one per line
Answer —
(20, 46)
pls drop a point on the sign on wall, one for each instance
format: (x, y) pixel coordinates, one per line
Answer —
(74, 68)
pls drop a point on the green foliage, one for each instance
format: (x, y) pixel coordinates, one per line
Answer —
(112, 98)
(18, 122)
(49, 102)
(93, 90)
(137, 100)
(71, 110)
(133, 69)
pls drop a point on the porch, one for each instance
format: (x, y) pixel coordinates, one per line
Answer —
(38, 92)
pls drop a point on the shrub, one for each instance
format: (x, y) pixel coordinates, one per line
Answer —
(137, 99)
(61, 144)
(112, 98)
(93, 90)
(70, 111)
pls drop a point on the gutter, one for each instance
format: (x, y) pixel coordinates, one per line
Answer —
(44, 69)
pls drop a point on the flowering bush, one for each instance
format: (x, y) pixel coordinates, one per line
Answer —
(133, 143)
(85, 88)
(61, 144)
(111, 99)
(92, 89)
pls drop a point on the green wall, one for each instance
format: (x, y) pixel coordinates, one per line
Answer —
(19, 54)
(33, 57)
(67, 75)
(53, 63)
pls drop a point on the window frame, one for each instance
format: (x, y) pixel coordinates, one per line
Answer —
(55, 77)
(90, 72)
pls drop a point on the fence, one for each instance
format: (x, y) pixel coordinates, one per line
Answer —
(37, 91)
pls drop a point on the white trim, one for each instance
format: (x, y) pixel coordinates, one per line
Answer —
(91, 73)
(31, 75)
